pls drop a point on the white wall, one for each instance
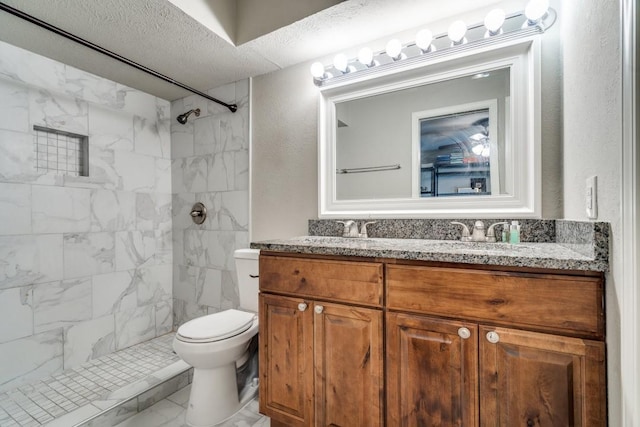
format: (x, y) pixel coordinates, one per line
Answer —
(85, 262)
(593, 146)
(210, 164)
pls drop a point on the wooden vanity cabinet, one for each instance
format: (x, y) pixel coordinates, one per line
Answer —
(286, 358)
(462, 346)
(477, 370)
(321, 355)
(533, 379)
(432, 373)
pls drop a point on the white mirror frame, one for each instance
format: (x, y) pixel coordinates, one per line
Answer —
(522, 135)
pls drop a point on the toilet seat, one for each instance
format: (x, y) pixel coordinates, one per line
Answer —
(216, 327)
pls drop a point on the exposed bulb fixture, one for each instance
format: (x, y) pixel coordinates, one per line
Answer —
(341, 62)
(493, 22)
(317, 70)
(365, 57)
(537, 17)
(536, 10)
(394, 49)
(456, 32)
(424, 39)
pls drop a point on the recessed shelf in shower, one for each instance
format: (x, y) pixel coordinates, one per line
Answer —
(61, 152)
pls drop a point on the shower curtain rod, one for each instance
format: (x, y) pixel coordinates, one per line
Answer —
(32, 19)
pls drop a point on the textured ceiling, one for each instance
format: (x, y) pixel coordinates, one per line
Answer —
(159, 35)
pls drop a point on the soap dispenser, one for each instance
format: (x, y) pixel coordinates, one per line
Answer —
(514, 232)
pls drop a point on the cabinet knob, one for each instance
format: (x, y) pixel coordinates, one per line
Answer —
(302, 306)
(319, 309)
(464, 333)
(493, 337)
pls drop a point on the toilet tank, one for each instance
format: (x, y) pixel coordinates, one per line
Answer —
(247, 271)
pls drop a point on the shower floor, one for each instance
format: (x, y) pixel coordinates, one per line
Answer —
(114, 386)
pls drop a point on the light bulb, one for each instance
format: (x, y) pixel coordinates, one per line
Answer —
(494, 20)
(536, 9)
(317, 70)
(457, 30)
(365, 57)
(394, 49)
(477, 149)
(341, 62)
(424, 39)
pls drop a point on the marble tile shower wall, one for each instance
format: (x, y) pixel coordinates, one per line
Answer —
(210, 164)
(85, 262)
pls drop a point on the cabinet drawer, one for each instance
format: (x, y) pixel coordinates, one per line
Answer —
(557, 303)
(345, 281)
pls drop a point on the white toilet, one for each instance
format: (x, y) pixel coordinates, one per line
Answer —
(218, 343)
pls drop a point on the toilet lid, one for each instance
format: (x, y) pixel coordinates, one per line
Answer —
(217, 326)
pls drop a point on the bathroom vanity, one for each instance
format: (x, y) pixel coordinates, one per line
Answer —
(403, 340)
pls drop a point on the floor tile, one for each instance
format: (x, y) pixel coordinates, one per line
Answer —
(171, 412)
(163, 414)
(68, 394)
(181, 397)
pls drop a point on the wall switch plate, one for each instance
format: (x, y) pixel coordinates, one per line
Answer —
(591, 197)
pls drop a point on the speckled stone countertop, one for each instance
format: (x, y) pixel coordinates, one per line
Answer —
(529, 254)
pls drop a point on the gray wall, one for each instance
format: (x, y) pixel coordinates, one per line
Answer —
(284, 161)
(284, 126)
(210, 164)
(86, 262)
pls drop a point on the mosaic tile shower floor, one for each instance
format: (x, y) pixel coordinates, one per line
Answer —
(85, 390)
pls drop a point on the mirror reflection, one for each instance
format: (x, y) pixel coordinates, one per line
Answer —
(442, 139)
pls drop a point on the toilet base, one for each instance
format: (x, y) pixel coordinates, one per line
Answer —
(214, 396)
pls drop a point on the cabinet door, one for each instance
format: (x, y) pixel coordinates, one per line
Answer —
(286, 360)
(432, 368)
(348, 358)
(533, 379)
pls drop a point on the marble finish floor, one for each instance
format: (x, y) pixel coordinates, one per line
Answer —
(80, 390)
(171, 412)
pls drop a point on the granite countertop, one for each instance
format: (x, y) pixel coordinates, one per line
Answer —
(534, 255)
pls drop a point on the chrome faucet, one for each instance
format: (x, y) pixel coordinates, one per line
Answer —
(351, 229)
(363, 229)
(466, 236)
(491, 233)
(478, 233)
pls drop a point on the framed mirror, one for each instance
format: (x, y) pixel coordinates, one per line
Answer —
(456, 135)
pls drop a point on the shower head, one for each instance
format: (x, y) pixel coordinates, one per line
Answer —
(182, 118)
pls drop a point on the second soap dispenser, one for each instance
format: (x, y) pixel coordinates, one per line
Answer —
(514, 232)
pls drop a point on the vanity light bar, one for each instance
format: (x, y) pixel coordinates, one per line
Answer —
(496, 28)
